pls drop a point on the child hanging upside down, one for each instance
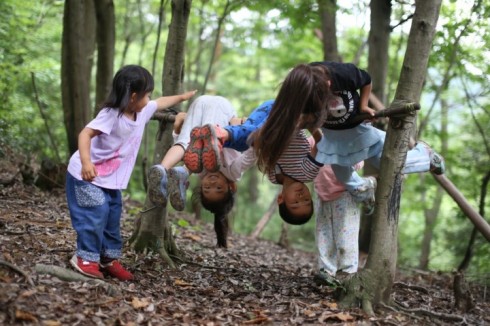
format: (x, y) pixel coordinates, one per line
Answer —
(295, 167)
(218, 186)
(329, 91)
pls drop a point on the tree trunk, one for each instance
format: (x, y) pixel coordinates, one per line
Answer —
(379, 40)
(378, 58)
(78, 43)
(431, 214)
(379, 274)
(469, 250)
(217, 46)
(152, 232)
(265, 218)
(328, 10)
(106, 39)
(284, 239)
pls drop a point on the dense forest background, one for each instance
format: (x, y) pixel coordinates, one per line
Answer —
(242, 50)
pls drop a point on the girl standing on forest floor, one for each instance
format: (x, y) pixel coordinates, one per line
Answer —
(330, 89)
(337, 228)
(102, 166)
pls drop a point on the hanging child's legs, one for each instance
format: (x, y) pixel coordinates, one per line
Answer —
(362, 189)
(346, 220)
(177, 186)
(205, 109)
(422, 158)
(238, 135)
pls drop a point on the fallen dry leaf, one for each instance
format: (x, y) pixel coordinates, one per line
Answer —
(140, 303)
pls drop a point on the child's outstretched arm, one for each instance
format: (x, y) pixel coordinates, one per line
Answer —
(165, 102)
(84, 139)
(364, 100)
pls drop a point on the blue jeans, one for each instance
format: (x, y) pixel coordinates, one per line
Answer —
(239, 134)
(95, 215)
(418, 160)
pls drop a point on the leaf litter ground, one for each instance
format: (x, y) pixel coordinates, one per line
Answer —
(252, 282)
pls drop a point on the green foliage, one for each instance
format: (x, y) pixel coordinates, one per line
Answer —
(30, 42)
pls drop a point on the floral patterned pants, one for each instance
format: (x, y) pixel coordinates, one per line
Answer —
(337, 234)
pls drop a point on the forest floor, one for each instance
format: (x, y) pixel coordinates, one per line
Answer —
(252, 282)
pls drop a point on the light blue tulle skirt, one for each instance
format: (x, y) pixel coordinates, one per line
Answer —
(350, 146)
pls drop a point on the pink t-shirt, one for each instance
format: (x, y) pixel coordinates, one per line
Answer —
(326, 184)
(115, 150)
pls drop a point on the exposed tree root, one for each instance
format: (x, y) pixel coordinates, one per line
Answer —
(17, 270)
(412, 287)
(163, 253)
(357, 291)
(367, 307)
(71, 276)
(425, 312)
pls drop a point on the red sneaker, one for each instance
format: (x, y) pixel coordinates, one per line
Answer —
(87, 268)
(192, 155)
(115, 269)
(212, 146)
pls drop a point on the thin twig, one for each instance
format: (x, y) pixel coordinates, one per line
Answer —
(18, 270)
(412, 287)
(45, 118)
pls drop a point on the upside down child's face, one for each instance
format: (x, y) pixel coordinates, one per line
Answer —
(297, 198)
(214, 186)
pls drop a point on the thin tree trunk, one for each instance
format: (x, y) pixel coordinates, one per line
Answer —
(76, 66)
(216, 44)
(265, 219)
(106, 39)
(379, 40)
(478, 221)
(153, 231)
(379, 274)
(284, 239)
(328, 11)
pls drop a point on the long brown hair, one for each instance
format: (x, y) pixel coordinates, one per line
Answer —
(305, 90)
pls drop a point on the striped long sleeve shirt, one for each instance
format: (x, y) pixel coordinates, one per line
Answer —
(296, 162)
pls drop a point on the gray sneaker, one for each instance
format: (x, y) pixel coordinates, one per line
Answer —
(177, 186)
(157, 185)
(324, 278)
(437, 164)
(365, 194)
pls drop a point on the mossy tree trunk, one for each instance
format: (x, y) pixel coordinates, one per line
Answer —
(152, 231)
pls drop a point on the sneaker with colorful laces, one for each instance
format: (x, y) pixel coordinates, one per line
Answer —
(366, 193)
(115, 269)
(192, 155)
(177, 186)
(212, 146)
(157, 185)
(87, 268)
